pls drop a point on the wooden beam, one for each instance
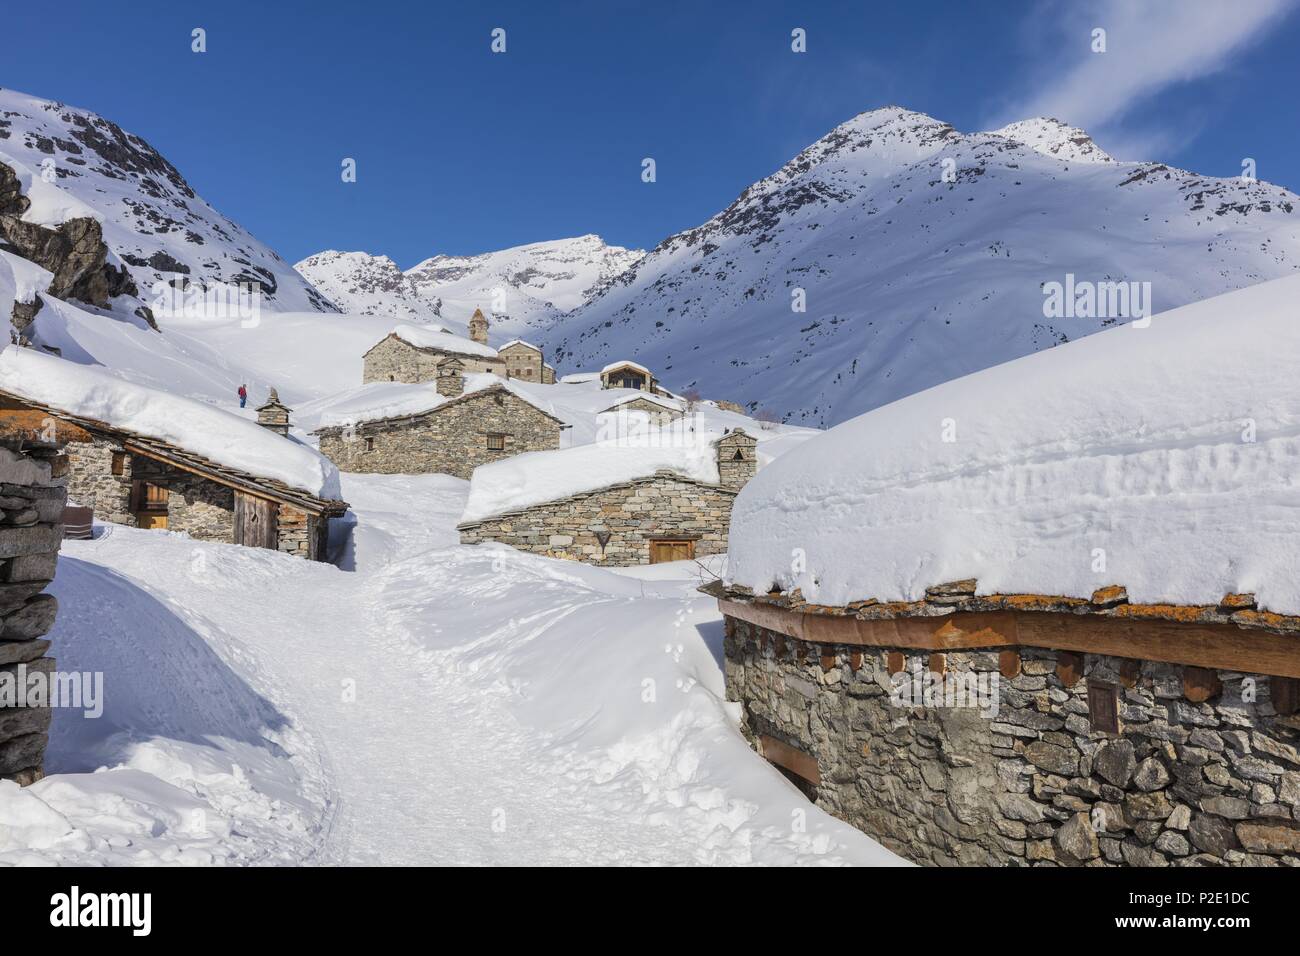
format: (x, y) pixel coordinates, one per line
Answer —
(1009, 664)
(1069, 668)
(1200, 684)
(1215, 646)
(783, 755)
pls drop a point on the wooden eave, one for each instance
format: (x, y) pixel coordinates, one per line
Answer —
(1232, 635)
(195, 464)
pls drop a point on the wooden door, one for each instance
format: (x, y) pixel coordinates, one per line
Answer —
(150, 505)
(254, 521)
(662, 550)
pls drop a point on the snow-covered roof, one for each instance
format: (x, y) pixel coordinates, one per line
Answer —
(88, 392)
(376, 401)
(527, 345)
(639, 396)
(434, 337)
(624, 364)
(536, 477)
(579, 378)
(1159, 458)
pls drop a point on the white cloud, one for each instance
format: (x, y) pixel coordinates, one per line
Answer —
(1150, 46)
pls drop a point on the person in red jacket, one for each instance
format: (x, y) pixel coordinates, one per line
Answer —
(243, 395)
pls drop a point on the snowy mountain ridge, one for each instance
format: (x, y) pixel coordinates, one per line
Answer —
(154, 224)
(524, 288)
(895, 253)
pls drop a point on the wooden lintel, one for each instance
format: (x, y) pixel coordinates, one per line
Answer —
(1214, 646)
(796, 761)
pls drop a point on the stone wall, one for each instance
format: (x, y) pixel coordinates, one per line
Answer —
(451, 439)
(1184, 783)
(196, 506)
(666, 505)
(92, 483)
(394, 360)
(301, 534)
(32, 495)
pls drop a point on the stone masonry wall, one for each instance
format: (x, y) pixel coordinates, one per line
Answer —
(451, 439)
(32, 495)
(91, 481)
(1183, 784)
(201, 508)
(394, 360)
(633, 513)
(301, 534)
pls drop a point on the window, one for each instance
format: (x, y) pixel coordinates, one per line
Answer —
(370, 444)
(496, 441)
(119, 463)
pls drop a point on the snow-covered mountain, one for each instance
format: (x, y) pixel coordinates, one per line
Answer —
(75, 164)
(523, 289)
(360, 283)
(920, 254)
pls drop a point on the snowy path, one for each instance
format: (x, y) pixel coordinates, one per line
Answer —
(439, 704)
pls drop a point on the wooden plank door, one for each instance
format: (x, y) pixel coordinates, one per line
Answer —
(150, 505)
(661, 551)
(254, 521)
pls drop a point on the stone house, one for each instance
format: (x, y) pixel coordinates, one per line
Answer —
(646, 519)
(657, 411)
(412, 353)
(143, 482)
(626, 374)
(463, 430)
(33, 475)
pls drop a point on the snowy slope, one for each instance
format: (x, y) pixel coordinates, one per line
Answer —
(498, 711)
(910, 279)
(153, 221)
(1169, 450)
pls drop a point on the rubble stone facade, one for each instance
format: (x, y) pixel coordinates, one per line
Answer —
(1182, 783)
(396, 360)
(453, 438)
(628, 516)
(32, 496)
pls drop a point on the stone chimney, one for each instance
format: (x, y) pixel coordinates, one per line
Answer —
(478, 326)
(451, 378)
(737, 458)
(274, 415)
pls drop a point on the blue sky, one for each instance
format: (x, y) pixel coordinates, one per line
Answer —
(460, 150)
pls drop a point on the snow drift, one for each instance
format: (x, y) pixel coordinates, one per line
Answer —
(1163, 459)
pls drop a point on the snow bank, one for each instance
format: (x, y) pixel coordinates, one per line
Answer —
(530, 479)
(433, 337)
(200, 428)
(1162, 458)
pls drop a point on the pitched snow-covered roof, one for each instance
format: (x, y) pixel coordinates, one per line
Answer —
(579, 378)
(639, 396)
(527, 345)
(1159, 458)
(380, 401)
(436, 338)
(91, 393)
(536, 477)
(624, 364)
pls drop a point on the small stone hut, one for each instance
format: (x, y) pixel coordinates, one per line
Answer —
(645, 519)
(628, 374)
(144, 482)
(464, 430)
(413, 353)
(33, 475)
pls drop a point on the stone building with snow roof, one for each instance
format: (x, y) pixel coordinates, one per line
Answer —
(1035, 648)
(455, 431)
(135, 478)
(413, 353)
(612, 505)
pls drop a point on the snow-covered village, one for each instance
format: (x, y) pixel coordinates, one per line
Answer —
(890, 471)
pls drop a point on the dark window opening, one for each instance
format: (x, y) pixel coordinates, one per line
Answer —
(496, 441)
